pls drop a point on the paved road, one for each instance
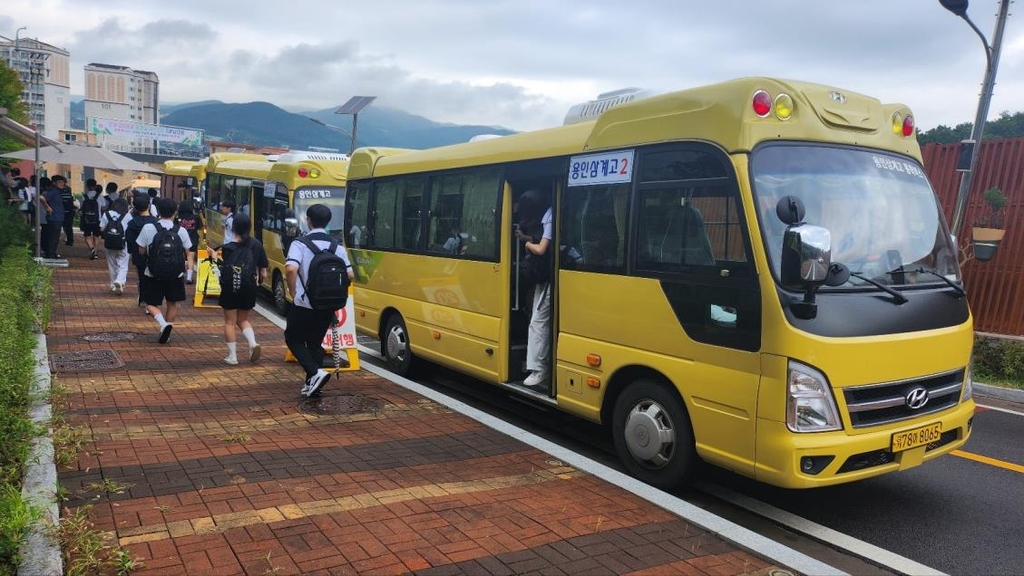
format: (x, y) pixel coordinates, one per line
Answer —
(955, 514)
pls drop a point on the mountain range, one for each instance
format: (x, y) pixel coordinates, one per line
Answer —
(264, 124)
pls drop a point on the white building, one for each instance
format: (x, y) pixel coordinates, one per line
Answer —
(45, 74)
(120, 93)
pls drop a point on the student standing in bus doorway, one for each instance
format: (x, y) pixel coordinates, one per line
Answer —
(227, 209)
(113, 223)
(306, 327)
(188, 220)
(164, 276)
(536, 231)
(244, 265)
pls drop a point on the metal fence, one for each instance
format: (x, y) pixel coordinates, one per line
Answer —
(994, 288)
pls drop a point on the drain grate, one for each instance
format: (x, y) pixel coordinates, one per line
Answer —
(342, 405)
(85, 361)
(111, 336)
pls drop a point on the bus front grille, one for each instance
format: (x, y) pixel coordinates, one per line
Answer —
(876, 404)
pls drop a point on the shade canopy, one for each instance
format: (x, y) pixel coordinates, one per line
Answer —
(22, 133)
(87, 156)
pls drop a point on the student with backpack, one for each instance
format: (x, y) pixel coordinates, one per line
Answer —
(89, 217)
(141, 217)
(318, 274)
(243, 266)
(113, 223)
(193, 224)
(163, 243)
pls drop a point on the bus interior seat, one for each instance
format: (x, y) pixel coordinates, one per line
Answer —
(676, 235)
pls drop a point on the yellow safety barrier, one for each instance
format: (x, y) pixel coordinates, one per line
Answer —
(347, 344)
(207, 282)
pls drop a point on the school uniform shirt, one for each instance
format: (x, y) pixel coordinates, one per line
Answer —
(300, 255)
(105, 218)
(148, 233)
(107, 200)
(53, 198)
(229, 223)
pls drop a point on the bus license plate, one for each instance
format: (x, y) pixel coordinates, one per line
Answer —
(917, 437)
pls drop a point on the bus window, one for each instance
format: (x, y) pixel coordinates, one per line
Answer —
(242, 194)
(274, 201)
(358, 201)
(462, 214)
(594, 223)
(396, 217)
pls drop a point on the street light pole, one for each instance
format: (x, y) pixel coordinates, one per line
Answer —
(959, 8)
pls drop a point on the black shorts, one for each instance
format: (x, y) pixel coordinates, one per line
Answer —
(153, 291)
(237, 301)
(90, 229)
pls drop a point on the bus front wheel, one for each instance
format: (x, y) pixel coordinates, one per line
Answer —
(280, 300)
(395, 346)
(652, 433)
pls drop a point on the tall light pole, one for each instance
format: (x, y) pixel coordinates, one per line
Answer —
(959, 8)
(353, 107)
(332, 127)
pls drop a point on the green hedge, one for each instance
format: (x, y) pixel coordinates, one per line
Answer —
(999, 361)
(24, 294)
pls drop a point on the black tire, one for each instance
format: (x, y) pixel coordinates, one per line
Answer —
(278, 293)
(644, 412)
(394, 345)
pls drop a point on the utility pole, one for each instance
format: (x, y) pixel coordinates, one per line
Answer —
(959, 7)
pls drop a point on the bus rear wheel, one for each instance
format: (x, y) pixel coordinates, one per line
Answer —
(280, 299)
(653, 436)
(395, 346)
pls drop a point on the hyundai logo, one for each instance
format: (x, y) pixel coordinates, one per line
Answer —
(837, 97)
(917, 398)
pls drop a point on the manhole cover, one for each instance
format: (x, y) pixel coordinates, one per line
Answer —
(85, 361)
(111, 336)
(345, 404)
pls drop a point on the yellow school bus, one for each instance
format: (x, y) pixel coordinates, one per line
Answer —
(754, 273)
(183, 179)
(239, 177)
(296, 181)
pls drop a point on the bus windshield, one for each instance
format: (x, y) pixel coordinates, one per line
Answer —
(884, 219)
(331, 196)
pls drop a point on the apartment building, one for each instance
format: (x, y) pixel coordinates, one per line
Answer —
(44, 70)
(125, 99)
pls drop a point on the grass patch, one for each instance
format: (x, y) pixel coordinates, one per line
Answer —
(24, 309)
(109, 486)
(88, 551)
(237, 438)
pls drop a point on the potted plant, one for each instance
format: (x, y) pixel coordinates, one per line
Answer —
(988, 228)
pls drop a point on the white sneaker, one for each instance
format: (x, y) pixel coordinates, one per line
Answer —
(535, 379)
(315, 383)
(118, 288)
(231, 360)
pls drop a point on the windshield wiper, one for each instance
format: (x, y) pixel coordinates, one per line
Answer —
(897, 298)
(959, 290)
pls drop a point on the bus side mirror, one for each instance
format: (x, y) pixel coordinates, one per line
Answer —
(806, 255)
(291, 228)
(806, 259)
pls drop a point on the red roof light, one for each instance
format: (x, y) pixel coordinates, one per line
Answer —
(908, 125)
(762, 103)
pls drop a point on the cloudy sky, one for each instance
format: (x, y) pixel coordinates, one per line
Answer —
(522, 63)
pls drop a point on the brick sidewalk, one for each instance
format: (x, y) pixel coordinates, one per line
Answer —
(197, 467)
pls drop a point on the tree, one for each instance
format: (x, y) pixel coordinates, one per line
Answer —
(10, 98)
(1006, 126)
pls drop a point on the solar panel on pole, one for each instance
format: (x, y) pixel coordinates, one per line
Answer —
(353, 107)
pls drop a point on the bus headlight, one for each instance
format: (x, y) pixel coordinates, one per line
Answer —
(809, 403)
(968, 383)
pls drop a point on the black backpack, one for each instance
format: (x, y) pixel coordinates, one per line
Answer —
(113, 234)
(131, 235)
(166, 254)
(327, 281)
(90, 211)
(238, 271)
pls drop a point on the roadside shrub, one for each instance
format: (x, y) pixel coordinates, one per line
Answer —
(19, 316)
(14, 231)
(999, 361)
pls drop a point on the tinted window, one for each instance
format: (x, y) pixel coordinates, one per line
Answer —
(594, 228)
(358, 201)
(397, 214)
(681, 165)
(462, 214)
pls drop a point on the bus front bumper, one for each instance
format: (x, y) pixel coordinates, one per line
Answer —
(811, 460)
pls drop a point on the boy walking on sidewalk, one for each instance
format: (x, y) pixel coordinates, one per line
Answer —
(164, 244)
(309, 316)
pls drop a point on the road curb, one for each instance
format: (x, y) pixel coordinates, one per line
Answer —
(1008, 394)
(40, 552)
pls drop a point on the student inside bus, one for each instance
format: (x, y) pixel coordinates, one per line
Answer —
(535, 230)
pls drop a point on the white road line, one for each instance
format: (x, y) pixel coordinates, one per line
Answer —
(824, 534)
(774, 551)
(998, 409)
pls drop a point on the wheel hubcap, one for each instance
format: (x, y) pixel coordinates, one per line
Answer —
(279, 298)
(396, 344)
(649, 434)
